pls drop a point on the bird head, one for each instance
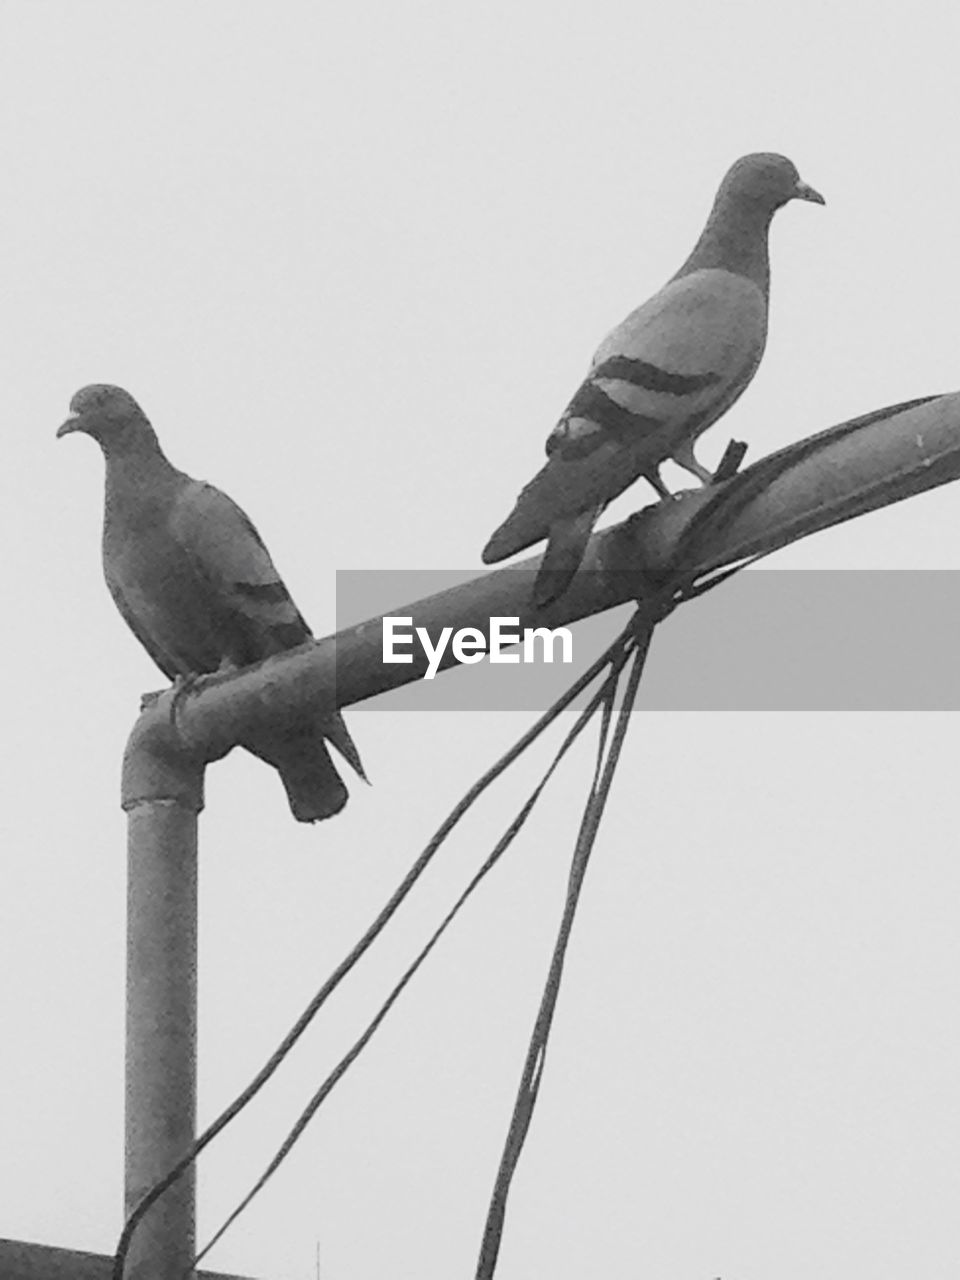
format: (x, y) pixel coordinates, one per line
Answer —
(109, 414)
(767, 180)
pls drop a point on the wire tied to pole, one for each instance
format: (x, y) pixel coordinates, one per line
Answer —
(614, 657)
(150, 1197)
(633, 641)
(532, 1074)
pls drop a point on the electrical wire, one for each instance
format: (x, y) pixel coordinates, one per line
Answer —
(151, 1196)
(532, 1073)
(603, 696)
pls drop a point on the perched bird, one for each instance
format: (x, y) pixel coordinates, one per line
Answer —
(194, 582)
(660, 378)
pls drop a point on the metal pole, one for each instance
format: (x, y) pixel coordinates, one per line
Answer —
(162, 793)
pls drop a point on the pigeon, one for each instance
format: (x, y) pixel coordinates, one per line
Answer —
(660, 378)
(196, 585)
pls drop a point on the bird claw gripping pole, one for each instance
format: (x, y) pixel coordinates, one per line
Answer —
(162, 794)
(181, 686)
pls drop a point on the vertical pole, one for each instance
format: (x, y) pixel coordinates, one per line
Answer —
(162, 797)
(161, 1071)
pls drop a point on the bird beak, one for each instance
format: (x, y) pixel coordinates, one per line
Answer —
(804, 192)
(73, 423)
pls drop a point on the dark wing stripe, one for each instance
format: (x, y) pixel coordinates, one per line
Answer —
(616, 422)
(269, 592)
(698, 422)
(290, 634)
(651, 378)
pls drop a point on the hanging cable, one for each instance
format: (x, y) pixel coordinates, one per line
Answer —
(536, 1053)
(150, 1197)
(603, 697)
(612, 659)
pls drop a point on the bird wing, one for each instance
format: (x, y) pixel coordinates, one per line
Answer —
(256, 617)
(164, 660)
(669, 367)
(255, 614)
(659, 379)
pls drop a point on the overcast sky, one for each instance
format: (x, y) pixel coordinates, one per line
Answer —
(353, 260)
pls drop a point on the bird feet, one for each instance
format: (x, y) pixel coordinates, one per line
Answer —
(182, 686)
(186, 684)
(654, 478)
(729, 463)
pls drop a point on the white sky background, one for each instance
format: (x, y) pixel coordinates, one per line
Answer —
(353, 260)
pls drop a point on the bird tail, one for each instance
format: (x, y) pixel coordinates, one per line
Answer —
(526, 523)
(561, 560)
(314, 788)
(334, 728)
